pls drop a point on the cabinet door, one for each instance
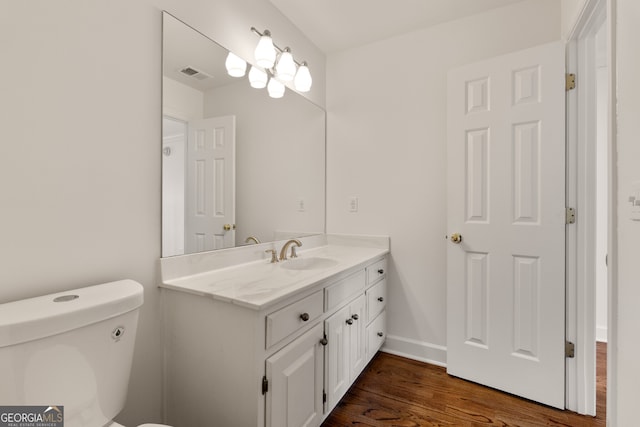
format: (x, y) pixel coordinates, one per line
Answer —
(295, 376)
(337, 356)
(357, 334)
(346, 349)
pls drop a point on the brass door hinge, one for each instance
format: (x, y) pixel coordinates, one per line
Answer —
(569, 350)
(570, 216)
(570, 82)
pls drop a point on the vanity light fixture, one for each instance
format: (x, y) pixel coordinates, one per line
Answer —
(286, 67)
(302, 81)
(280, 65)
(265, 52)
(257, 78)
(236, 66)
(275, 88)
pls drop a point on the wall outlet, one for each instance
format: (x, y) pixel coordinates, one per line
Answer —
(353, 204)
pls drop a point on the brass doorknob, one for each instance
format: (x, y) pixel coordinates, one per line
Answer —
(456, 238)
(228, 227)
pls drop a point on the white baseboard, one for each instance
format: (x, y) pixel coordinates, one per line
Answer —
(601, 334)
(416, 350)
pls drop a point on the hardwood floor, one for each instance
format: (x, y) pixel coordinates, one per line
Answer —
(394, 391)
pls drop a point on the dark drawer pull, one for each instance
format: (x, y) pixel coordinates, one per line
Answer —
(380, 299)
(381, 271)
(349, 321)
(380, 334)
(355, 317)
(304, 317)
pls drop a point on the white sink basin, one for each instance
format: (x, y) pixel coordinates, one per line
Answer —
(312, 263)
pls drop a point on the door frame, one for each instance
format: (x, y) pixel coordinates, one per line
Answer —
(581, 194)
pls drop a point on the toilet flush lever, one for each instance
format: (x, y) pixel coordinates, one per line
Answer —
(117, 333)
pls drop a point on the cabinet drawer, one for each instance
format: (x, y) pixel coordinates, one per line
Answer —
(341, 292)
(376, 334)
(376, 299)
(289, 319)
(376, 271)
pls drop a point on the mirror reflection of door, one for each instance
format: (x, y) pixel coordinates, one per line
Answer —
(174, 135)
(210, 195)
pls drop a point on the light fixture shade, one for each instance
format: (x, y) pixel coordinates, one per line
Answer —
(257, 78)
(265, 52)
(275, 88)
(286, 67)
(236, 66)
(303, 79)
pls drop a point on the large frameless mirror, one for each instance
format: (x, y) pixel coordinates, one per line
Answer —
(238, 167)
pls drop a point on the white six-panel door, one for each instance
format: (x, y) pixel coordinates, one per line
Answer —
(506, 197)
(210, 184)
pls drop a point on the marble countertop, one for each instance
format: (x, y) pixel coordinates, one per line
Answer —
(261, 284)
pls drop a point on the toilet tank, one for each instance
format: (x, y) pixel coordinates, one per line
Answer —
(72, 349)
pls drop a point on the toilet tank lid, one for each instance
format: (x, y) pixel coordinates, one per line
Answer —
(47, 315)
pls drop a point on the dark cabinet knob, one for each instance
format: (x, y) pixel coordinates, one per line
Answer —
(380, 334)
(349, 321)
(324, 341)
(355, 317)
(304, 317)
(380, 299)
(381, 271)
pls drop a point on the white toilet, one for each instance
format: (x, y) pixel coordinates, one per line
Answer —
(72, 349)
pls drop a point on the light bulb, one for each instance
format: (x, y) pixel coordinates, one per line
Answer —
(265, 52)
(286, 68)
(275, 88)
(303, 79)
(236, 66)
(257, 78)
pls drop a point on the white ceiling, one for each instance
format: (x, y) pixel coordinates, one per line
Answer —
(183, 46)
(335, 25)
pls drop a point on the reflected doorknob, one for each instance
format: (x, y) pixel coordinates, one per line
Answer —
(456, 238)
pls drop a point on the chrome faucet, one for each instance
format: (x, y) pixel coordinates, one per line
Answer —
(283, 252)
(252, 239)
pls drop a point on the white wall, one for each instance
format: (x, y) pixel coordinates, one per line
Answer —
(569, 12)
(181, 101)
(80, 114)
(627, 377)
(386, 107)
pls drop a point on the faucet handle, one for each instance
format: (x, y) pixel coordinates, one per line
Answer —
(274, 256)
(293, 252)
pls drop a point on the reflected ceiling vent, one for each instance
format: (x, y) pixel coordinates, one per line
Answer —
(195, 73)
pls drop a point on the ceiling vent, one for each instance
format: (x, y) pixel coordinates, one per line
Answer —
(195, 73)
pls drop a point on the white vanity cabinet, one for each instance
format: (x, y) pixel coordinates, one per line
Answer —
(285, 364)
